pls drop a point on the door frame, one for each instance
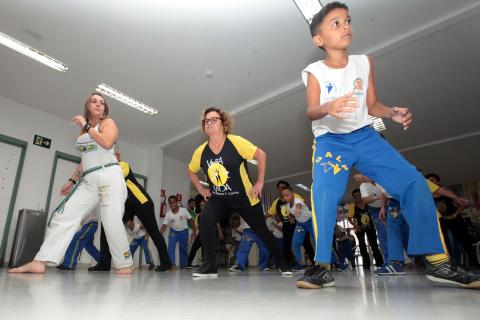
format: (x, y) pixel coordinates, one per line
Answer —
(23, 146)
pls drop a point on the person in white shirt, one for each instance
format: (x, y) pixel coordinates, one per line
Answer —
(372, 196)
(139, 238)
(248, 238)
(303, 215)
(177, 218)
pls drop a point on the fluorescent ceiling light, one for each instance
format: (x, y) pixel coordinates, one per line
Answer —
(254, 162)
(123, 98)
(377, 123)
(204, 183)
(32, 53)
(304, 187)
(308, 8)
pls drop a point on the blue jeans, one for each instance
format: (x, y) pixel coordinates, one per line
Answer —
(345, 251)
(397, 231)
(381, 231)
(335, 155)
(248, 239)
(82, 239)
(141, 242)
(180, 237)
(301, 231)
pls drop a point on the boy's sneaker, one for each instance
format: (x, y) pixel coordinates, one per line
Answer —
(63, 267)
(206, 270)
(163, 267)
(189, 266)
(316, 278)
(151, 266)
(449, 274)
(265, 269)
(298, 268)
(285, 270)
(235, 268)
(390, 268)
(341, 267)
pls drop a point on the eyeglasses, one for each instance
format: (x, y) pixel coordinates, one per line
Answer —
(212, 120)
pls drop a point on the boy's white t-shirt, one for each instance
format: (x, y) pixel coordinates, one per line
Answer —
(271, 226)
(335, 83)
(305, 213)
(177, 221)
(367, 189)
(136, 233)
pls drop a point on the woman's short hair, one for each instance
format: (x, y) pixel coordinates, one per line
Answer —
(227, 120)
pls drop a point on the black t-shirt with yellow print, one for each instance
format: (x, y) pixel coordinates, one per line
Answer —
(137, 195)
(279, 207)
(226, 171)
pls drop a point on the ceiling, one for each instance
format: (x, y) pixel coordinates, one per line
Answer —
(426, 55)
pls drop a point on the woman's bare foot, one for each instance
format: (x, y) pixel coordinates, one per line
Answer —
(35, 266)
(128, 270)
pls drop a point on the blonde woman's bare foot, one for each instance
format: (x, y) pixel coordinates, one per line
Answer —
(128, 270)
(32, 267)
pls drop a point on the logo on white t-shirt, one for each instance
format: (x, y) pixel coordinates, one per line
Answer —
(358, 87)
(330, 90)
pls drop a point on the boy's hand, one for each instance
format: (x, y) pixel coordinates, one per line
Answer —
(345, 104)
(402, 116)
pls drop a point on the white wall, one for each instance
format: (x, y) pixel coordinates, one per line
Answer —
(175, 178)
(22, 122)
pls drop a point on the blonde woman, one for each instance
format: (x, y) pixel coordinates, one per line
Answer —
(97, 182)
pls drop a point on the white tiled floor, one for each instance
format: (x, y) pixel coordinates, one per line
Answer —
(251, 295)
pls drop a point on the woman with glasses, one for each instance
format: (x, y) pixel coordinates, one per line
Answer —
(223, 160)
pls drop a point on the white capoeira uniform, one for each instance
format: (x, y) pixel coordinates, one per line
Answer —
(102, 186)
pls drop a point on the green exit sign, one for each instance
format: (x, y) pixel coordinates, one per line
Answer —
(42, 141)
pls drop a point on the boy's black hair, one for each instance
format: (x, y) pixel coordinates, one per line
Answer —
(433, 175)
(355, 191)
(318, 17)
(190, 200)
(288, 188)
(284, 183)
(172, 196)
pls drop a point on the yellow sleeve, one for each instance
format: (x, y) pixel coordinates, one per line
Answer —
(273, 208)
(299, 197)
(244, 147)
(125, 168)
(432, 186)
(194, 165)
(351, 210)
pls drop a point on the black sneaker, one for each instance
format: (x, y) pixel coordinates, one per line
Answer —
(99, 267)
(319, 279)
(62, 267)
(449, 274)
(151, 266)
(206, 270)
(285, 270)
(163, 267)
(310, 272)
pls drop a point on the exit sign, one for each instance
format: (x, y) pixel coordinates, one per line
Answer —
(42, 141)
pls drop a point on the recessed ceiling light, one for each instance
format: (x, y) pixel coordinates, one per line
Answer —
(308, 8)
(125, 99)
(32, 53)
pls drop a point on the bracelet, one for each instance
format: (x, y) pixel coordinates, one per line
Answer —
(86, 127)
(72, 181)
